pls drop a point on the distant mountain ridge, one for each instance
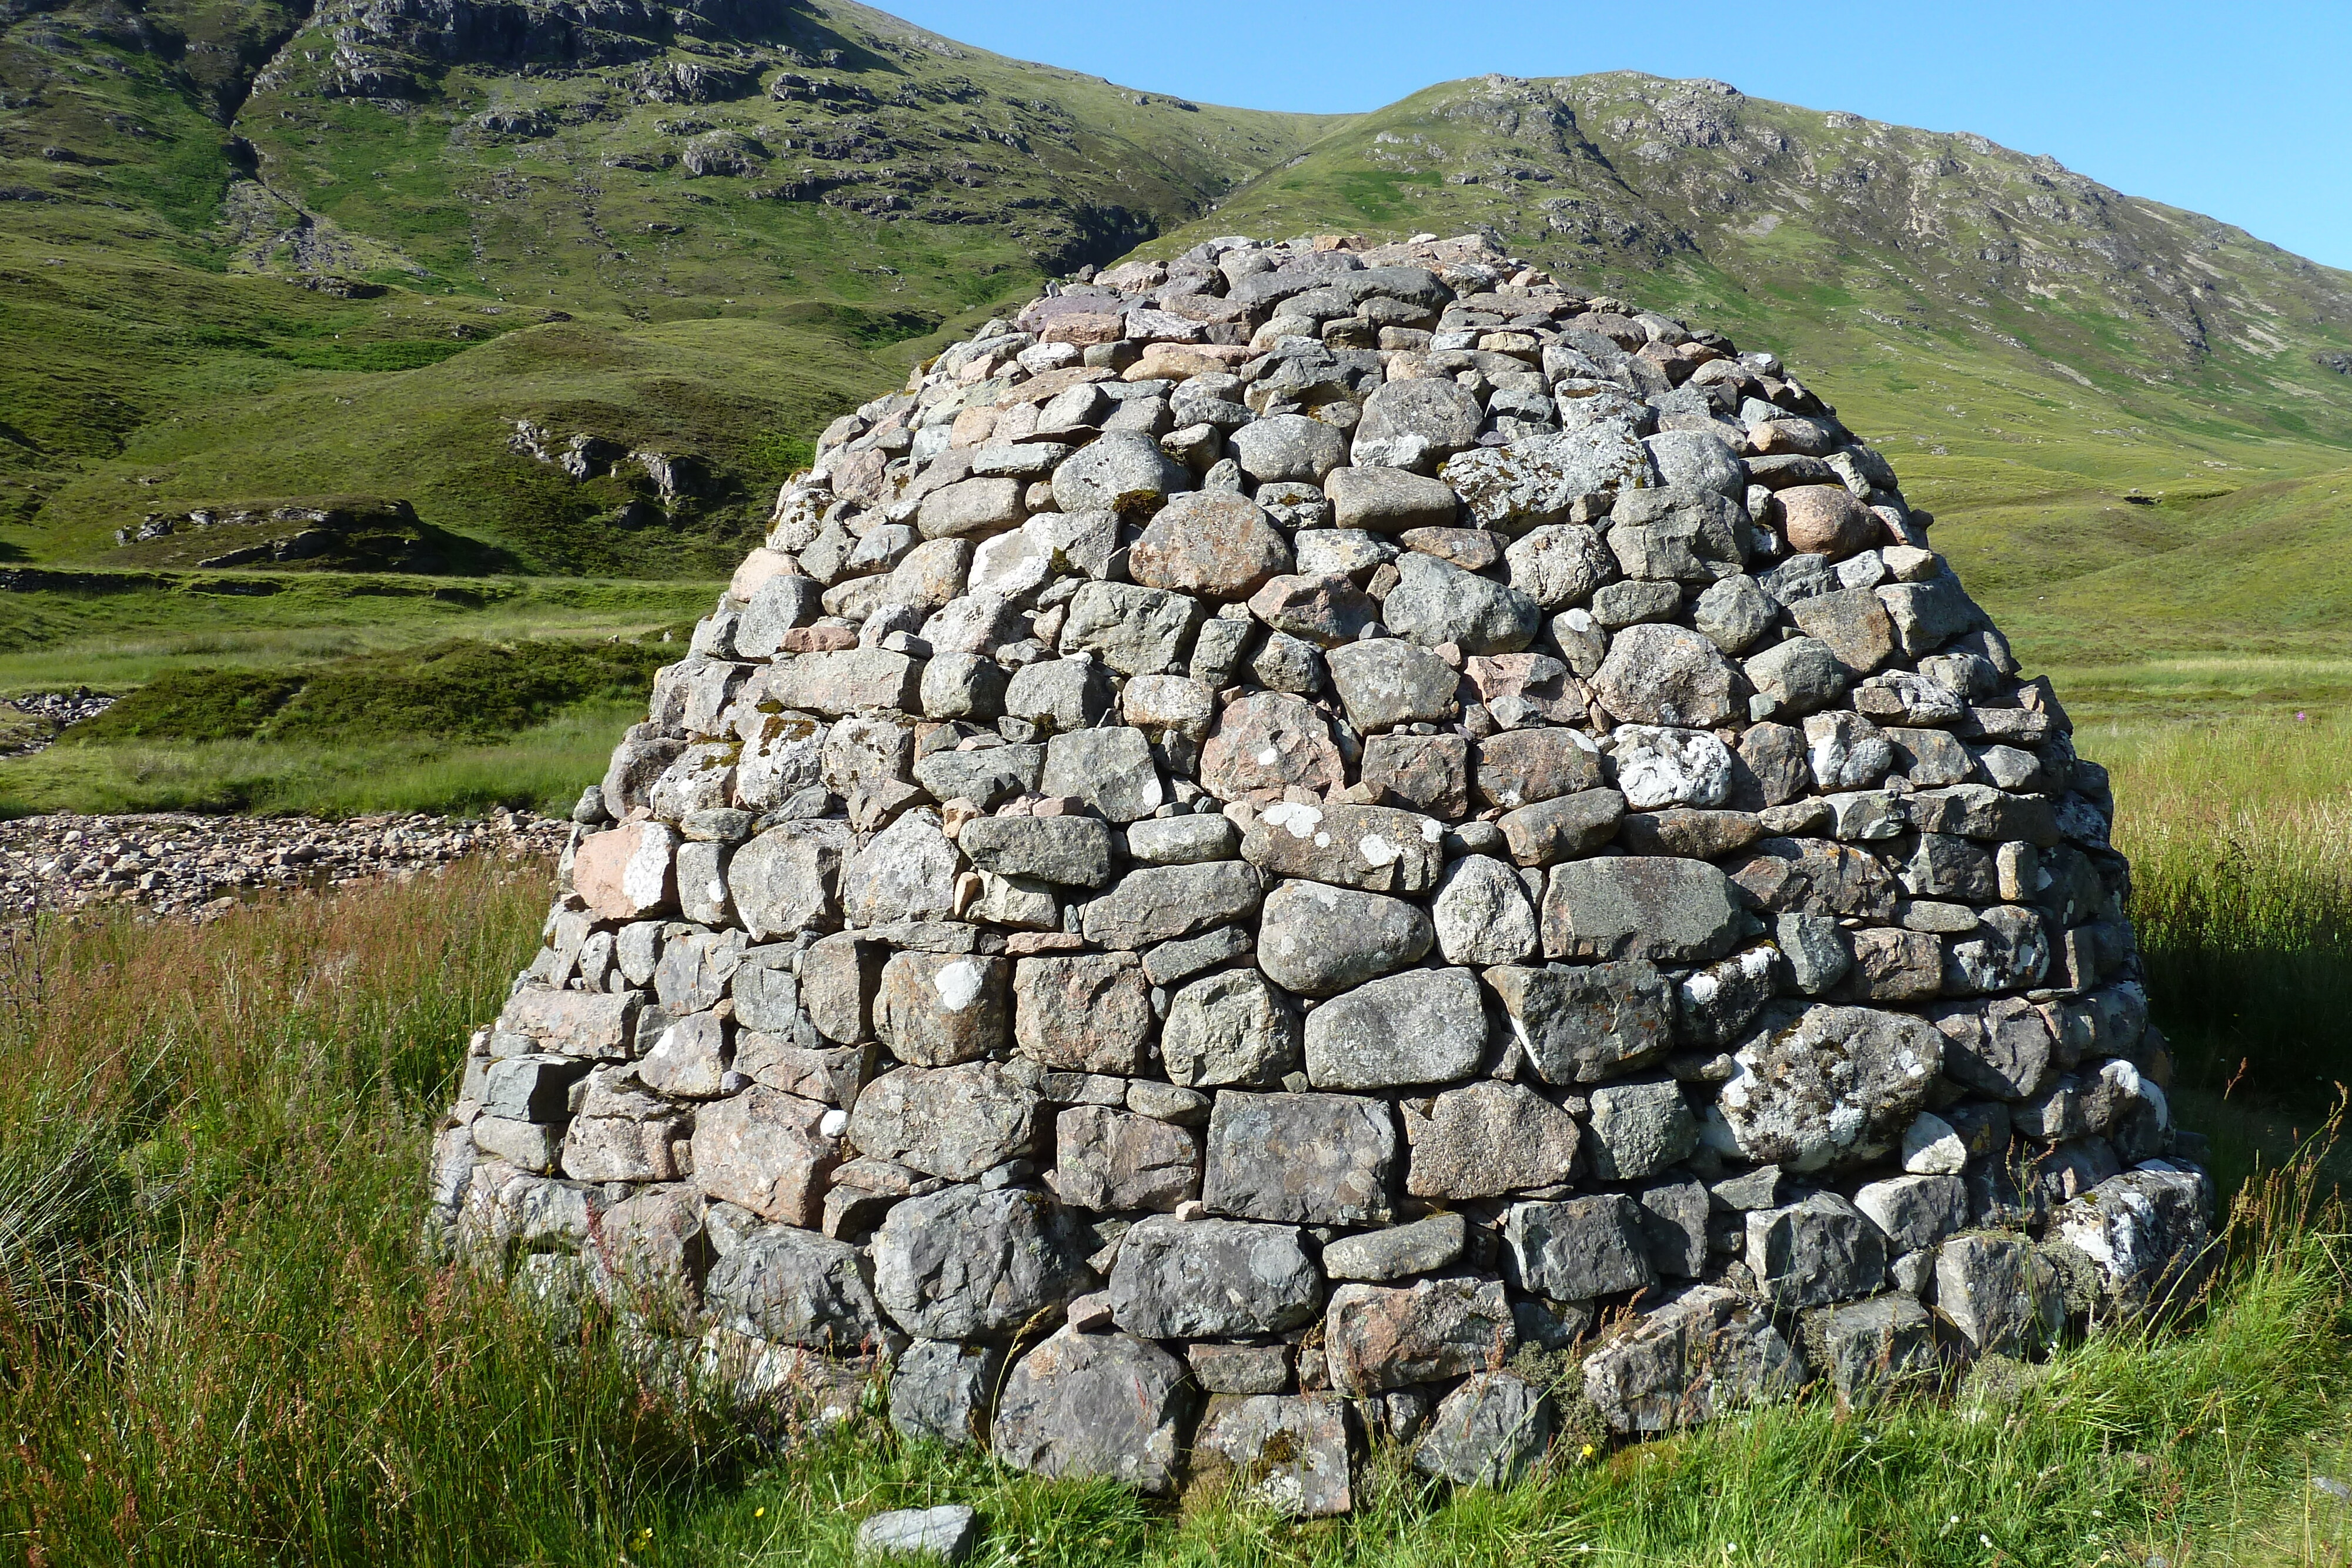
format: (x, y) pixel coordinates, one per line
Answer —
(266, 251)
(1608, 173)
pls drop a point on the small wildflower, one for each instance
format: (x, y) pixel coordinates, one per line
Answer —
(1986, 1540)
(759, 1513)
(1589, 1450)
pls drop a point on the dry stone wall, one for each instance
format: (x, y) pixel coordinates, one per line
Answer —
(1291, 831)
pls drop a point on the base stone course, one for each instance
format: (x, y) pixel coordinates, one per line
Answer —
(1195, 952)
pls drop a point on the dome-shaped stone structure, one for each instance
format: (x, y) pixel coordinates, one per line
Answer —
(1294, 823)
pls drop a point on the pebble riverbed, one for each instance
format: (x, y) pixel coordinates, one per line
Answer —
(182, 865)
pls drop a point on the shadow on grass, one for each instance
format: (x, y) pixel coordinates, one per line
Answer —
(2271, 1021)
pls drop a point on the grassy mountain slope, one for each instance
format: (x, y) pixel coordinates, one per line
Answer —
(260, 255)
(1894, 249)
(329, 289)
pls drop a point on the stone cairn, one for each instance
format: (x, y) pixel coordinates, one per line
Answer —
(1320, 840)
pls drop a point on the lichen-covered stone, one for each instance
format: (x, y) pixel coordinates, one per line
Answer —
(1437, 603)
(1114, 1161)
(1664, 675)
(1582, 1024)
(1387, 682)
(1481, 916)
(907, 872)
(1428, 1026)
(1872, 1351)
(1074, 851)
(935, 1009)
(1523, 766)
(629, 871)
(1372, 847)
(1482, 1140)
(951, 1122)
(964, 1263)
(1161, 904)
(789, 1287)
(1378, 1337)
(1213, 544)
(1817, 1250)
(1208, 1279)
(1532, 482)
(1423, 1247)
(1087, 1405)
(1578, 1247)
(1490, 1432)
(941, 1391)
(2147, 1234)
(1664, 911)
(1707, 1351)
(1830, 1086)
(1317, 940)
(1230, 1028)
(1083, 1013)
(1293, 1454)
(2001, 1295)
(767, 1151)
(1302, 1159)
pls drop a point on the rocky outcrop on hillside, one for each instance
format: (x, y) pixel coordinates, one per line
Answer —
(1293, 833)
(44, 716)
(355, 534)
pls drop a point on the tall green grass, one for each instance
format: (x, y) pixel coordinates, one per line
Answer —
(2240, 835)
(228, 1348)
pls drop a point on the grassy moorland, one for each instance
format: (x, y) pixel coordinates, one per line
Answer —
(219, 1343)
(448, 695)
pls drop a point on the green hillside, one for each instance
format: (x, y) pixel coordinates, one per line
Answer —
(514, 291)
(261, 256)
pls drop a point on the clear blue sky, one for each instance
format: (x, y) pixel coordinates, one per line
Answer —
(2241, 110)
